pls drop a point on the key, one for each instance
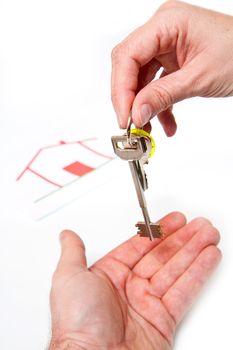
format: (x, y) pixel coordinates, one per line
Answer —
(136, 150)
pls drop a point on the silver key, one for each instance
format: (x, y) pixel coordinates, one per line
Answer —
(136, 150)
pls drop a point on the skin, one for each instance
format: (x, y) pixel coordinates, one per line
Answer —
(136, 295)
(192, 45)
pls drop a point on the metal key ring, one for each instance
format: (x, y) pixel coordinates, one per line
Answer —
(128, 130)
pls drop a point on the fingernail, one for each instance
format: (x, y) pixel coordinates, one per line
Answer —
(145, 113)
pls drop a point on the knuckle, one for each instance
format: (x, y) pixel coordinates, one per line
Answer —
(179, 10)
(170, 4)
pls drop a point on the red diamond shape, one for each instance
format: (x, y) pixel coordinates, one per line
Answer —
(78, 168)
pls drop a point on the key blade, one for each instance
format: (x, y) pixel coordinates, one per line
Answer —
(147, 223)
(141, 198)
(137, 184)
(141, 174)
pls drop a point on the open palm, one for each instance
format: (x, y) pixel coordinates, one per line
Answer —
(134, 297)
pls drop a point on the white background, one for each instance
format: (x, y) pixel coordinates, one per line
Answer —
(54, 84)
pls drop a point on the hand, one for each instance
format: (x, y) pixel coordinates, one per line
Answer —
(135, 296)
(192, 45)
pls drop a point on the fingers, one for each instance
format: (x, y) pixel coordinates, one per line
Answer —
(137, 59)
(182, 294)
(133, 250)
(168, 122)
(124, 84)
(72, 252)
(138, 51)
(157, 257)
(166, 117)
(147, 127)
(159, 96)
(150, 308)
(181, 261)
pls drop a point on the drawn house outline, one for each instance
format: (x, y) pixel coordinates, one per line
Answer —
(76, 168)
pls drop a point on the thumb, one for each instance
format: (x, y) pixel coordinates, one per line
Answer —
(72, 251)
(159, 96)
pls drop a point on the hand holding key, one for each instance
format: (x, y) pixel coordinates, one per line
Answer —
(192, 45)
(136, 147)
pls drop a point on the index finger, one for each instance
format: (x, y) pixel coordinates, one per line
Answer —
(138, 49)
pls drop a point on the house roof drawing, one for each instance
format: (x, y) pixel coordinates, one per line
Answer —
(59, 164)
(59, 174)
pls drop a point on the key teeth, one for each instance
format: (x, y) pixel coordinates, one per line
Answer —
(155, 228)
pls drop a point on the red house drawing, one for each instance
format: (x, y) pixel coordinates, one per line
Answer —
(60, 164)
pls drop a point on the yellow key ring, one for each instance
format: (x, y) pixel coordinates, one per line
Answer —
(141, 132)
